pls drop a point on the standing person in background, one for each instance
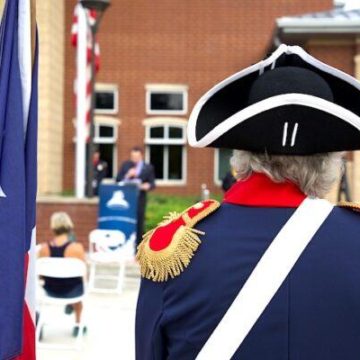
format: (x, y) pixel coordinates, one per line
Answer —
(137, 169)
(61, 245)
(100, 171)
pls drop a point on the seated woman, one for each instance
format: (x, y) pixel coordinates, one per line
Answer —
(62, 246)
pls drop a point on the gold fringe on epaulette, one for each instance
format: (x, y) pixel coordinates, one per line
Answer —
(350, 205)
(171, 261)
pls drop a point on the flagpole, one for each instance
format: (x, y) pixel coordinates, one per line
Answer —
(81, 105)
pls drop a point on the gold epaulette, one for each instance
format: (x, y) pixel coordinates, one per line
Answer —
(350, 205)
(167, 250)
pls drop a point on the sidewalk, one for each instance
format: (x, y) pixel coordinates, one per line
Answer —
(110, 323)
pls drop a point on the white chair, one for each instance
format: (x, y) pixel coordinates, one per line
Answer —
(108, 248)
(59, 268)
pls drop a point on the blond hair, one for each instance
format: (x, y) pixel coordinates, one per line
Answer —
(61, 222)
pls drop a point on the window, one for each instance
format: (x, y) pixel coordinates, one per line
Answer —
(166, 99)
(106, 99)
(222, 164)
(165, 150)
(106, 134)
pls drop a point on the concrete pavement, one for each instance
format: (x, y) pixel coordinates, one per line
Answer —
(110, 322)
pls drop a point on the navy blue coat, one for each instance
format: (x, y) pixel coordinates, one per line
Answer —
(315, 315)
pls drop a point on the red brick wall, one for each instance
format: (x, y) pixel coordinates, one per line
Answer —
(340, 56)
(196, 42)
(84, 216)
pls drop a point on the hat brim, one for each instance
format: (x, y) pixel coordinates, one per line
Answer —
(222, 118)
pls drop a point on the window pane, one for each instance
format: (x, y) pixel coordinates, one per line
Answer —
(166, 101)
(104, 100)
(224, 162)
(157, 132)
(107, 155)
(175, 162)
(106, 131)
(157, 160)
(175, 132)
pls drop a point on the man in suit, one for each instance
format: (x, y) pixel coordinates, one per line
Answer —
(273, 272)
(137, 169)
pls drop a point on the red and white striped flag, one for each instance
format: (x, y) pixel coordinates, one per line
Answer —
(91, 18)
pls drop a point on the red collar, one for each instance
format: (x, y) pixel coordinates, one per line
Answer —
(260, 190)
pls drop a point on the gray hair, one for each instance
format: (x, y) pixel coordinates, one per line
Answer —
(314, 174)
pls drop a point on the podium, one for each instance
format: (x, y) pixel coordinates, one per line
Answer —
(118, 208)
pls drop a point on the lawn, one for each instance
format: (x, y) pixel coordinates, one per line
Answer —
(160, 205)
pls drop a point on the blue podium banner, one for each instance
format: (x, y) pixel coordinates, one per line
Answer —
(118, 208)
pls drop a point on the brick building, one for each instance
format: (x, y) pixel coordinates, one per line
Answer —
(157, 59)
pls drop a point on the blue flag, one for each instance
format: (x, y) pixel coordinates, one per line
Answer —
(17, 186)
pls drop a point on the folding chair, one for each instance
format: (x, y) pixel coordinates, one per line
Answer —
(60, 268)
(108, 249)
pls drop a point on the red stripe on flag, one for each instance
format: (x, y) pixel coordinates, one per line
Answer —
(28, 351)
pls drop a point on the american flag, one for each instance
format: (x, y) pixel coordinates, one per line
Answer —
(18, 143)
(91, 17)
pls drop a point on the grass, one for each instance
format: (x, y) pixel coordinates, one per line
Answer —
(160, 205)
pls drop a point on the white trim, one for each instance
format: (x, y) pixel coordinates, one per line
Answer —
(107, 120)
(166, 88)
(170, 182)
(293, 137)
(217, 181)
(270, 103)
(105, 140)
(166, 141)
(166, 181)
(164, 120)
(318, 25)
(265, 280)
(285, 132)
(108, 88)
(282, 49)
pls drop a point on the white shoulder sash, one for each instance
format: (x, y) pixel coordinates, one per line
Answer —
(267, 277)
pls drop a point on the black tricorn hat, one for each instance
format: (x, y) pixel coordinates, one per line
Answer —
(287, 104)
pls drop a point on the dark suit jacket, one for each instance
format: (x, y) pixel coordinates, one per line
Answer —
(147, 174)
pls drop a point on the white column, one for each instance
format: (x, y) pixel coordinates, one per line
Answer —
(81, 105)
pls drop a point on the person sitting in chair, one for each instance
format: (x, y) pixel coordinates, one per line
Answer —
(61, 245)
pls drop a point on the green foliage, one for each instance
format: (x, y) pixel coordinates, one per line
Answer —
(160, 205)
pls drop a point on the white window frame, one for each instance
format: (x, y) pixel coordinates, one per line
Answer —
(101, 87)
(114, 123)
(166, 88)
(217, 181)
(167, 123)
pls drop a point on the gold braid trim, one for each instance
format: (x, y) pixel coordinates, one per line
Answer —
(171, 261)
(350, 205)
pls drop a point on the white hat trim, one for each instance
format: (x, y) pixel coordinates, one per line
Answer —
(258, 67)
(273, 102)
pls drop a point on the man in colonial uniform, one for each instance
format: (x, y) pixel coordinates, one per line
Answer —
(273, 273)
